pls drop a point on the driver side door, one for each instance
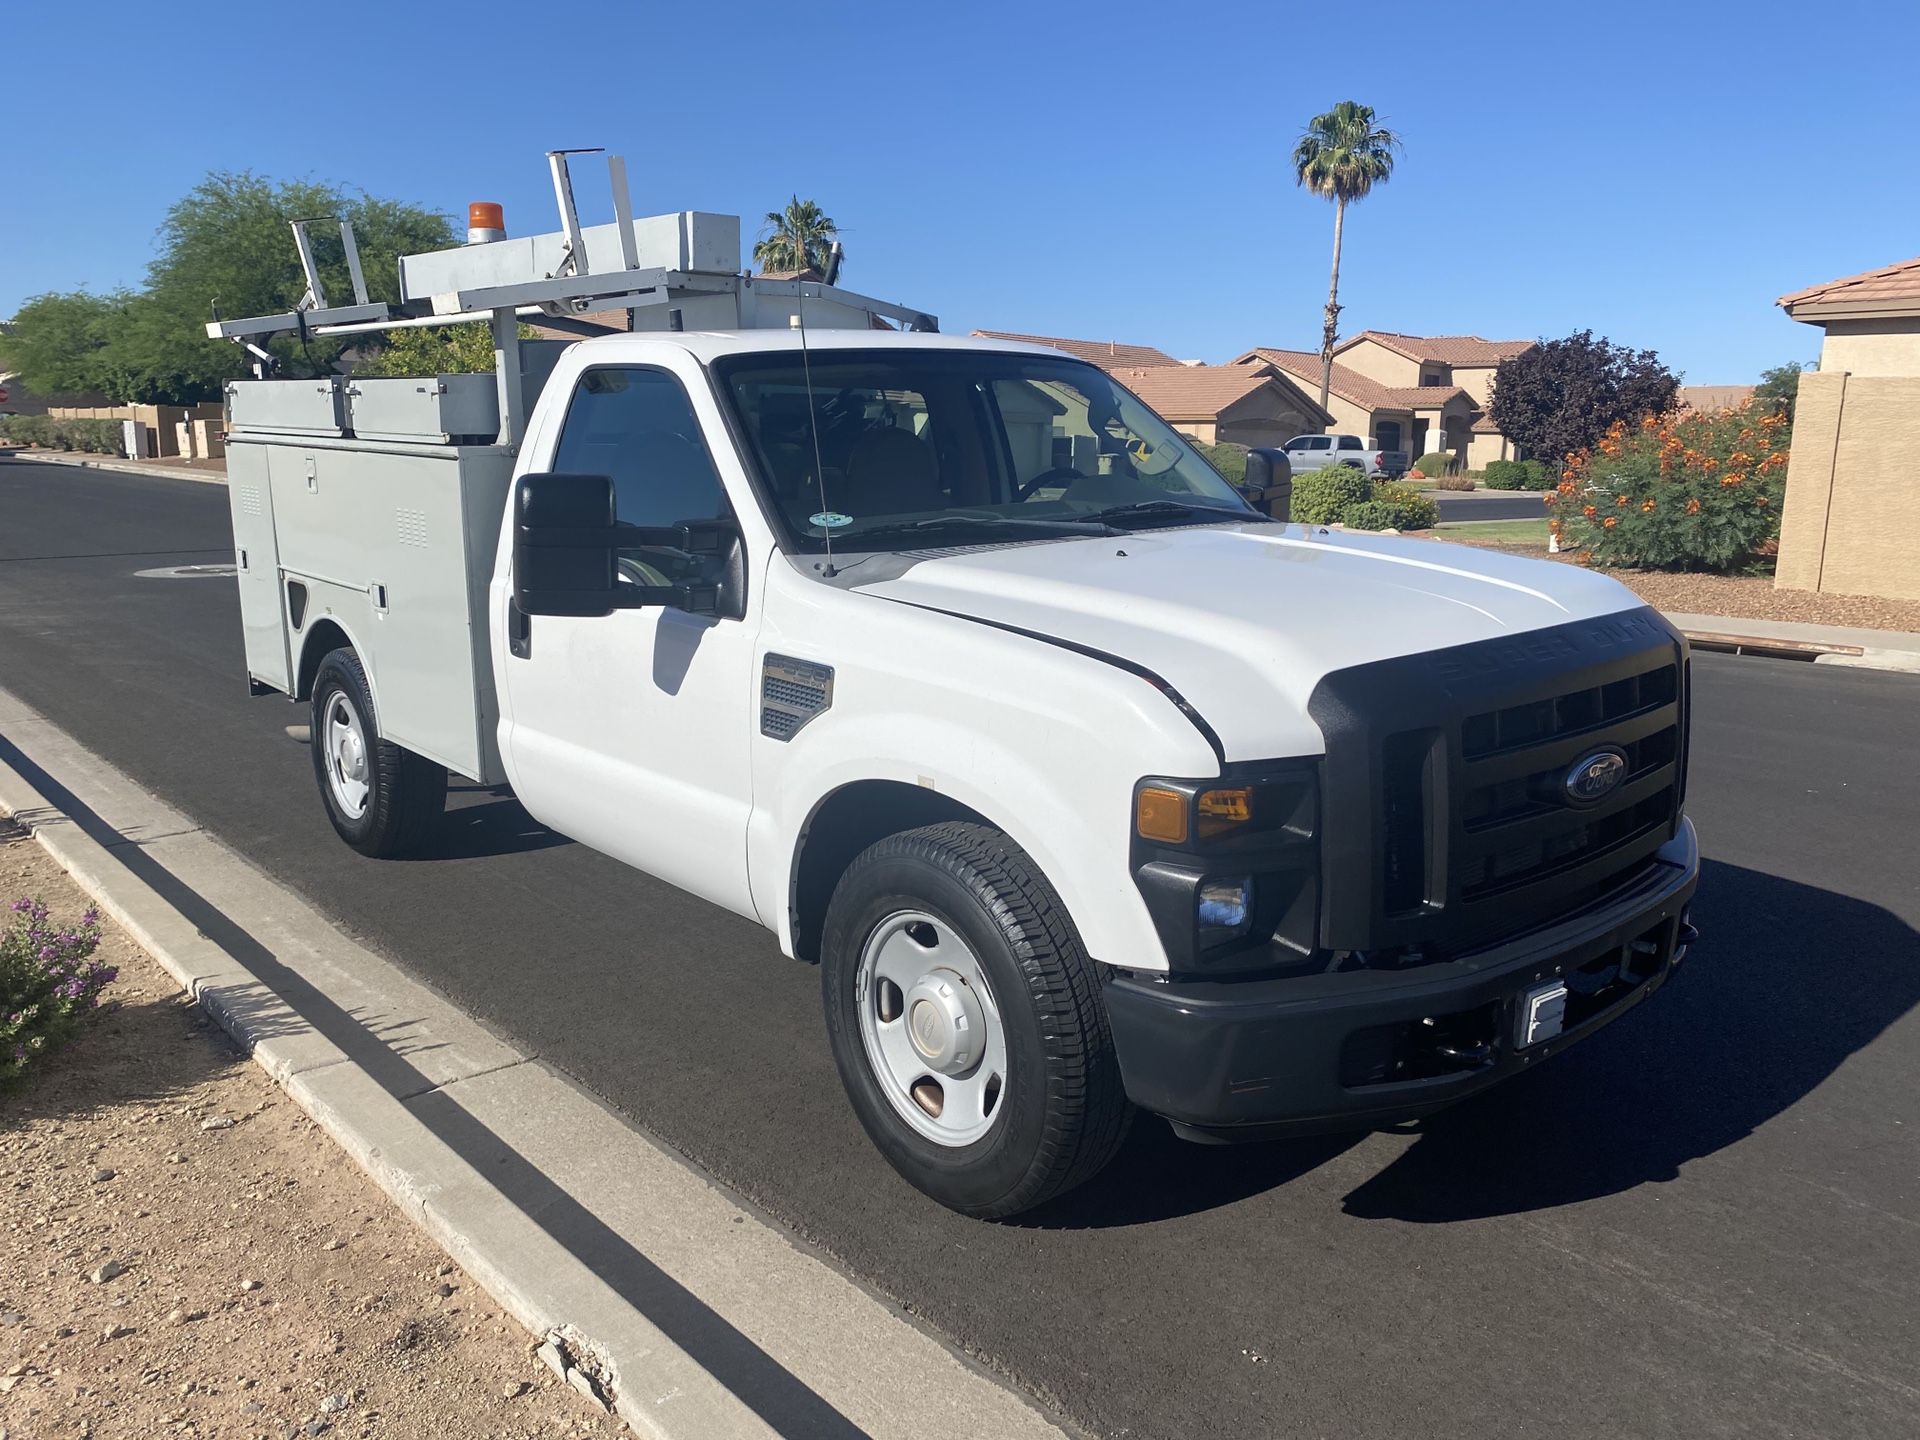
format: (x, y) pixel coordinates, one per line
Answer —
(630, 731)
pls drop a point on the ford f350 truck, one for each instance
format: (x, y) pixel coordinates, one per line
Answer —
(1089, 788)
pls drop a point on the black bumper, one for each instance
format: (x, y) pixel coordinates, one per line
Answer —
(1241, 1059)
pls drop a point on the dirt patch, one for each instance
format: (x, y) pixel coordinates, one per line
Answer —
(1748, 597)
(255, 1282)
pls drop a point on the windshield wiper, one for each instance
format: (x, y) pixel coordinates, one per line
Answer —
(1090, 525)
(1168, 509)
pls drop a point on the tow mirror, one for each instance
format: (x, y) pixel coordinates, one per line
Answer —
(567, 544)
(1269, 482)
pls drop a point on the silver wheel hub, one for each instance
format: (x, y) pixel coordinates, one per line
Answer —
(344, 742)
(930, 1028)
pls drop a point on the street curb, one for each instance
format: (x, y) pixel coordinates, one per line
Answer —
(373, 1133)
(1775, 647)
(121, 467)
(653, 1290)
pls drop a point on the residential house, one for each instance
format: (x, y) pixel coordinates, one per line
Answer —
(1414, 418)
(1435, 360)
(1853, 502)
(1227, 404)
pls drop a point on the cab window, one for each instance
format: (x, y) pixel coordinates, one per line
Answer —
(638, 426)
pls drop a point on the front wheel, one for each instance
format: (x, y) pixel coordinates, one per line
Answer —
(381, 798)
(966, 1021)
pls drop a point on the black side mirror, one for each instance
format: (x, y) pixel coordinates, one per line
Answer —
(567, 544)
(1269, 482)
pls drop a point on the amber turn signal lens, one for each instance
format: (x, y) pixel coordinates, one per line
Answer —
(1160, 815)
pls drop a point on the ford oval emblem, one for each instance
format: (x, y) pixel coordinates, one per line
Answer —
(1595, 776)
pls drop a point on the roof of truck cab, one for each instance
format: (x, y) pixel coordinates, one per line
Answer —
(712, 344)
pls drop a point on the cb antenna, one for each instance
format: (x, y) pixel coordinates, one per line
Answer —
(813, 424)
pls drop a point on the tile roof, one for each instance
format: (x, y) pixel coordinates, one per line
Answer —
(1890, 289)
(1351, 384)
(1483, 425)
(1108, 354)
(1192, 392)
(1715, 397)
(1467, 350)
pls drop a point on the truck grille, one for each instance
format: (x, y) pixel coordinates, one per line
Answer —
(1466, 830)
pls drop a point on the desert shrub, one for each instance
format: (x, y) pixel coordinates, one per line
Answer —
(1455, 482)
(1506, 475)
(97, 437)
(1411, 509)
(48, 981)
(25, 429)
(1438, 462)
(1695, 491)
(1370, 515)
(1321, 497)
(1540, 475)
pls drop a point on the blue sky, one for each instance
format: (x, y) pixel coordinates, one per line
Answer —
(1660, 173)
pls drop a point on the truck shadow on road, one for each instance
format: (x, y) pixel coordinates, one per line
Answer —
(483, 820)
(1787, 983)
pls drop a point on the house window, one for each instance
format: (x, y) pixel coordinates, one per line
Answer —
(1431, 380)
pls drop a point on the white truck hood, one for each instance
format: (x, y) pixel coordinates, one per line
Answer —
(1244, 620)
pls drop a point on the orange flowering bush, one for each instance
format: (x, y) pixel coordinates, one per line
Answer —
(1688, 491)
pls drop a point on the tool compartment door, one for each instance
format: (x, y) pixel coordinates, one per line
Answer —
(256, 555)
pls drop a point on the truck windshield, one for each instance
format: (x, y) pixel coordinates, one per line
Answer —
(919, 447)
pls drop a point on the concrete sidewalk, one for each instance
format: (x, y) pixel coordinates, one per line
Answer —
(1823, 644)
(163, 469)
(656, 1293)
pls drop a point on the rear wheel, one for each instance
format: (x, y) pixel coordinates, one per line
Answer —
(966, 1021)
(382, 799)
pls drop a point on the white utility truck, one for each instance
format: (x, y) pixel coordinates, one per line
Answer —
(1089, 786)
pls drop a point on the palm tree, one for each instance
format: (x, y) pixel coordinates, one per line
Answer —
(796, 238)
(1340, 157)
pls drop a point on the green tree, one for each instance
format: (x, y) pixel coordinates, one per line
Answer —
(1778, 389)
(56, 340)
(227, 244)
(796, 238)
(436, 350)
(1341, 156)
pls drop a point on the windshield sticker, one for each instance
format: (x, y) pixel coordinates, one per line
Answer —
(830, 520)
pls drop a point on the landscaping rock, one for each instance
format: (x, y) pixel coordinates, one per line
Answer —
(217, 1122)
(111, 1270)
(102, 1175)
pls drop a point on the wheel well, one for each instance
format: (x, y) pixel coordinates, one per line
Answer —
(841, 826)
(322, 639)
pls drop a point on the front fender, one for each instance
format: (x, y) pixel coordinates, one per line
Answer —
(1045, 743)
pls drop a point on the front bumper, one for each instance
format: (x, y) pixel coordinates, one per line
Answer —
(1227, 1059)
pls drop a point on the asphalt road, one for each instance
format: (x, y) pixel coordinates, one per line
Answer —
(1705, 1221)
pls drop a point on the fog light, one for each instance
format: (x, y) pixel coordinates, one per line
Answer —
(1225, 909)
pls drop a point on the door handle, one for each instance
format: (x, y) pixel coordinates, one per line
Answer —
(519, 632)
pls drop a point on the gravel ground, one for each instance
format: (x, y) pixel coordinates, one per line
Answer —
(1749, 597)
(258, 1285)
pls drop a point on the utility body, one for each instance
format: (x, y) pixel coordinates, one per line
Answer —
(1090, 787)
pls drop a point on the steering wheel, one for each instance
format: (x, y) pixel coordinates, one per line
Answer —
(1058, 472)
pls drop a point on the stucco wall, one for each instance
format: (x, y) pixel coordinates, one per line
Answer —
(1873, 347)
(1477, 381)
(1483, 447)
(1377, 362)
(1853, 499)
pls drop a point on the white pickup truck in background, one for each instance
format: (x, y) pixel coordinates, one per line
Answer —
(1316, 452)
(1089, 788)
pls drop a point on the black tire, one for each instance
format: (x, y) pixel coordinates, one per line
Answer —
(1064, 1112)
(406, 794)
